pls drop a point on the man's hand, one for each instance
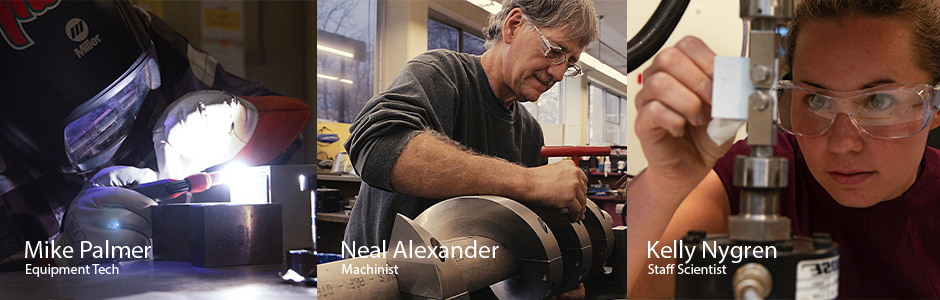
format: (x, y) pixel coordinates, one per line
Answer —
(105, 212)
(558, 185)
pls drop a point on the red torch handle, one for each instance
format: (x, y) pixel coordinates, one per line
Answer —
(575, 152)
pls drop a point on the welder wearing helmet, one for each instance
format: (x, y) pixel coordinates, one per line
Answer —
(88, 85)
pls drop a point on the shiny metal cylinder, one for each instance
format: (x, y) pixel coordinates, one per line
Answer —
(762, 151)
(517, 227)
(760, 172)
(479, 272)
(760, 202)
(334, 283)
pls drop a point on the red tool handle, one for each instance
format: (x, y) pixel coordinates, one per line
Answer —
(199, 182)
(575, 152)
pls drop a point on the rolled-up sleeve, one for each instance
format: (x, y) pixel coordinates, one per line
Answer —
(391, 119)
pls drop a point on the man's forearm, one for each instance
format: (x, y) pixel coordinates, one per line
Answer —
(433, 168)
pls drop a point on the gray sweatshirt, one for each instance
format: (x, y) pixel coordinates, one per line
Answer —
(444, 91)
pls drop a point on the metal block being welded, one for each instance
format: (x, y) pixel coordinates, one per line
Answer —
(283, 184)
(218, 234)
(171, 232)
(226, 234)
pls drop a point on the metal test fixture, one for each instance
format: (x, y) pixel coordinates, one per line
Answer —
(760, 177)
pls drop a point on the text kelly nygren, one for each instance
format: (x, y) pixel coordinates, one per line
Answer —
(737, 253)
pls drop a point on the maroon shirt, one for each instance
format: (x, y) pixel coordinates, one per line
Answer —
(889, 250)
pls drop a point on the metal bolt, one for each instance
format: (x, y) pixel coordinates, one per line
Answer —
(760, 73)
(759, 100)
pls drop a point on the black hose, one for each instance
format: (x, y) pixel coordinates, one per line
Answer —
(655, 32)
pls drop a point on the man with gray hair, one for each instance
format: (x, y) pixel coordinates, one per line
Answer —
(449, 124)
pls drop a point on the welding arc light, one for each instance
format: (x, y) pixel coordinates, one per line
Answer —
(248, 185)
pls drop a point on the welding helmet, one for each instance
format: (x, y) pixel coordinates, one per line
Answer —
(75, 74)
(203, 129)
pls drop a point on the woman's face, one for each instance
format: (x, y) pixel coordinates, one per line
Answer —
(856, 169)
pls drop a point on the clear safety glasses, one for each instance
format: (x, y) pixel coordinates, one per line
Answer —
(555, 55)
(886, 111)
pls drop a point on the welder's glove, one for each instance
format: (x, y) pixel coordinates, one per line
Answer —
(105, 215)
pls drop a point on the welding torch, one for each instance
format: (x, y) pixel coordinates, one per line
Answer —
(173, 188)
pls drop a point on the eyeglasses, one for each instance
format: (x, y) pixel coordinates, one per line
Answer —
(887, 111)
(556, 57)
